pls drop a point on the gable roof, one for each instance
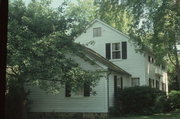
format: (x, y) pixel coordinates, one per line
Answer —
(105, 62)
(146, 48)
(97, 20)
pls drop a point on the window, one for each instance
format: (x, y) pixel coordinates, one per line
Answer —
(118, 84)
(157, 84)
(162, 86)
(116, 50)
(97, 32)
(150, 83)
(151, 59)
(80, 92)
(135, 82)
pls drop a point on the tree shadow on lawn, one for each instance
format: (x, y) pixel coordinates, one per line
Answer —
(171, 115)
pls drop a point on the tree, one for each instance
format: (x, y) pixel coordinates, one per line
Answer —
(155, 25)
(39, 40)
(114, 14)
(82, 12)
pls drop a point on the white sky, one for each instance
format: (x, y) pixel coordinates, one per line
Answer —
(55, 3)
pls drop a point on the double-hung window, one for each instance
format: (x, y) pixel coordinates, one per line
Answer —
(135, 82)
(97, 32)
(116, 51)
(80, 92)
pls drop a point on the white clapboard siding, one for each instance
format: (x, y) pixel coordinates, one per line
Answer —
(135, 62)
(126, 83)
(43, 102)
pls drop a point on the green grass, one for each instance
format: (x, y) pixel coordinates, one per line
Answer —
(172, 115)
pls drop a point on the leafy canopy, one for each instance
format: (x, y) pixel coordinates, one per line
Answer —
(39, 40)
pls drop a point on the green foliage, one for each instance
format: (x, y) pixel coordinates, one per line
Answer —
(81, 14)
(39, 40)
(174, 98)
(114, 14)
(154, 25)
(142, 100)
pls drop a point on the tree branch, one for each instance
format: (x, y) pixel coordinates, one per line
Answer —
(171, 59)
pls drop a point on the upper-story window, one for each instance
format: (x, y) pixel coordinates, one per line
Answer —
(151, 59)
(116, 50)
(97, 32)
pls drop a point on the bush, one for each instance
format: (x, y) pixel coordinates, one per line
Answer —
(142, 100)
(174, 98)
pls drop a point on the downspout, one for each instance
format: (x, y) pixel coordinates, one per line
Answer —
(108, 93)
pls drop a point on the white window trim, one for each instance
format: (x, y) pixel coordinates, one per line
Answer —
(116, 50)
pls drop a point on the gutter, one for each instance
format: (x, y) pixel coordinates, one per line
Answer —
(108, 93)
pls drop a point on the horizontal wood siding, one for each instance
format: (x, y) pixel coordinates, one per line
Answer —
(126, 83)
(43, 102)
(135, 62)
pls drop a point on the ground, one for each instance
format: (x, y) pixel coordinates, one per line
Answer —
(172, 115)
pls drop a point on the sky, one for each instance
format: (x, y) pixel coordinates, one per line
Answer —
(55, 3)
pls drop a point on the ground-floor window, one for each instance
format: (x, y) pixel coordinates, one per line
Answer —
(135, 81)
(157, 84)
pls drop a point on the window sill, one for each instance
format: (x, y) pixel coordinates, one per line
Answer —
(77, 97)
(116, 60)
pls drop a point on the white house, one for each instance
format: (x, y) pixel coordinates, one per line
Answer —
(119, 49)
(115, 55)
(81, 103)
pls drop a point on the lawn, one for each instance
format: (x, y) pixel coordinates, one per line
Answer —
(172, 115)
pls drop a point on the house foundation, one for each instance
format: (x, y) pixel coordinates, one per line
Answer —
(73, 115)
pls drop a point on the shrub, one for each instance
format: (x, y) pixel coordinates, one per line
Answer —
(142, 100)
(174, 98)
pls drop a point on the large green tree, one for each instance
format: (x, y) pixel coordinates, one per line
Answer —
(82, 12)
(114, 14)
(39, 41)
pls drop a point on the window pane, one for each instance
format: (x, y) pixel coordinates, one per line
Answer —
(116, 55)
(96, 32)
(135, 82)
(78, 92)
(115, 46)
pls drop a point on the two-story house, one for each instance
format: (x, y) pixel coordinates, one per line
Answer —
(119, 49)
(122, 66)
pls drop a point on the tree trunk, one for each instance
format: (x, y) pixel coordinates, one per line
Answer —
(178, 77)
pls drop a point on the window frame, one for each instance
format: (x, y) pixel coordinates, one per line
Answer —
(84, 91)
(133, 83)
(97, 32)
(114, 50)
(81, 91)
